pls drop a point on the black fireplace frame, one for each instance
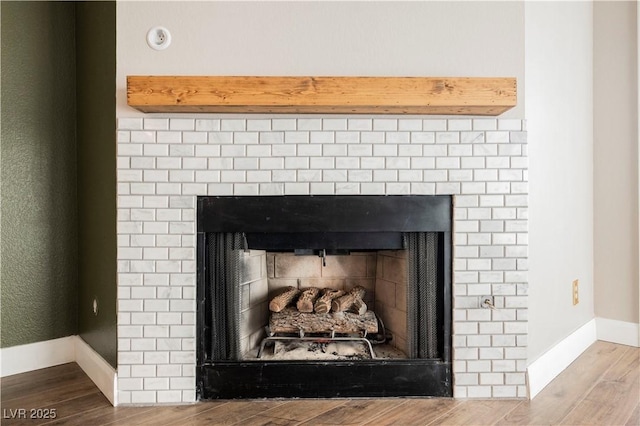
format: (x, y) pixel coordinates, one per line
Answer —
(382, 219)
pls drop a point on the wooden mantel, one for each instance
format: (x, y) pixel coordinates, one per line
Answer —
(322, 95)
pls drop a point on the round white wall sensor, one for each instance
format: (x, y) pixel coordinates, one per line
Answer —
(158, 38)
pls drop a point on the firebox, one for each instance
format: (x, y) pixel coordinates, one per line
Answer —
(324, 296)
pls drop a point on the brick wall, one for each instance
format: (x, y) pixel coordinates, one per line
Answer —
(391, 294)
(254, 299)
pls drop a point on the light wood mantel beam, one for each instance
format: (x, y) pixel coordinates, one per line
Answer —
(322, 95)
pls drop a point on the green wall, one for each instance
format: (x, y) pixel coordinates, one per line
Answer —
(38, 248)
(96, 99)
(58, 178)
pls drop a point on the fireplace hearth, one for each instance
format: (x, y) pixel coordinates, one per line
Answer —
(253, 248)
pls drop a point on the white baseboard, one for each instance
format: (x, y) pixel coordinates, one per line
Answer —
(624, 333)
(99, 371)
(34, 356)
(543, 370)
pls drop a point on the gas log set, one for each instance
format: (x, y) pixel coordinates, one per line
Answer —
(321, 316)
(321, 301)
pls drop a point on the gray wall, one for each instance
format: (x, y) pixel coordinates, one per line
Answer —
(616, 160)
(559, 104)
(39, 220)
(96, 69)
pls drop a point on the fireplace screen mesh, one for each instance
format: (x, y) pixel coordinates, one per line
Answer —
(422, 294)
(224, 270)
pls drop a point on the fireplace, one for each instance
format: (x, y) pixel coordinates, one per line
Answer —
(165, 165)
(249, 247)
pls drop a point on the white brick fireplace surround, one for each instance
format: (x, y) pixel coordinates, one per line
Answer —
(164, 163)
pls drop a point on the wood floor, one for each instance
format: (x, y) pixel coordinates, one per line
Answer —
(602, 387)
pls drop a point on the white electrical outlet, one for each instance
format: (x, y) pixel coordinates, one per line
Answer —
(158, 38)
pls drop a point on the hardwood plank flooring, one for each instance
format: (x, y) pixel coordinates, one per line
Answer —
(557, 400)
(601, 387)
(416, 412)
(634, 420)
(294, 412)
(614, 396)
